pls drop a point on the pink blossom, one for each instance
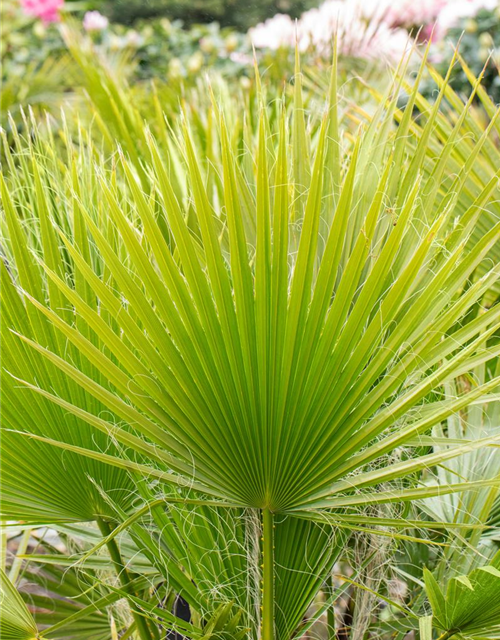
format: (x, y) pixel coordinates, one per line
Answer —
(95, 21)
(372, 29)
(410, 13)
(240, 58)
(46, 10)
(358, 34)
(435, 16)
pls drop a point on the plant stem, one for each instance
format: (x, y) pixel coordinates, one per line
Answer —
(125, 579)
(3, 549)
(446, 635)
(330, 615)
(267, 631)
(21, 550)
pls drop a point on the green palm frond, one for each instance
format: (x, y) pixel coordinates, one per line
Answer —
(470, 607)
(260, 330)
(16, 622)
(477, 506)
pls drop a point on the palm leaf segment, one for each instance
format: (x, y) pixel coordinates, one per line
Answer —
(16, 622)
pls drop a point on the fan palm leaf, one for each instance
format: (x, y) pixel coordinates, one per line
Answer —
(16, 622)
(264, 344)
(469, 608)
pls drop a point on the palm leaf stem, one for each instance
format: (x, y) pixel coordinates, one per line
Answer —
(123, 575)
(446, 635)
(267, 575)
(330, 615)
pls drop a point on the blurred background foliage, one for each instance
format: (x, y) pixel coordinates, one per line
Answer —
(235, 13)
(479, 37)
(175, 42)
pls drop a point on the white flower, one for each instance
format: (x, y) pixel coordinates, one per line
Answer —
(274, 33)
(166, 25)
(95, 21)
(358, 25)
(364, 28)
(133, 38)
(195, 62)
(231, 43)
(175, 68)
(207, 45)
(116, 43)
(245, 83)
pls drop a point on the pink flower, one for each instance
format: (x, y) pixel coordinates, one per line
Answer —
(95, 21)
(409, 13)
(240, 57)
(358, 34)
(46, 10)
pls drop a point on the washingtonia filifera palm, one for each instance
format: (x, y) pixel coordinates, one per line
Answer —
(265, 345)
